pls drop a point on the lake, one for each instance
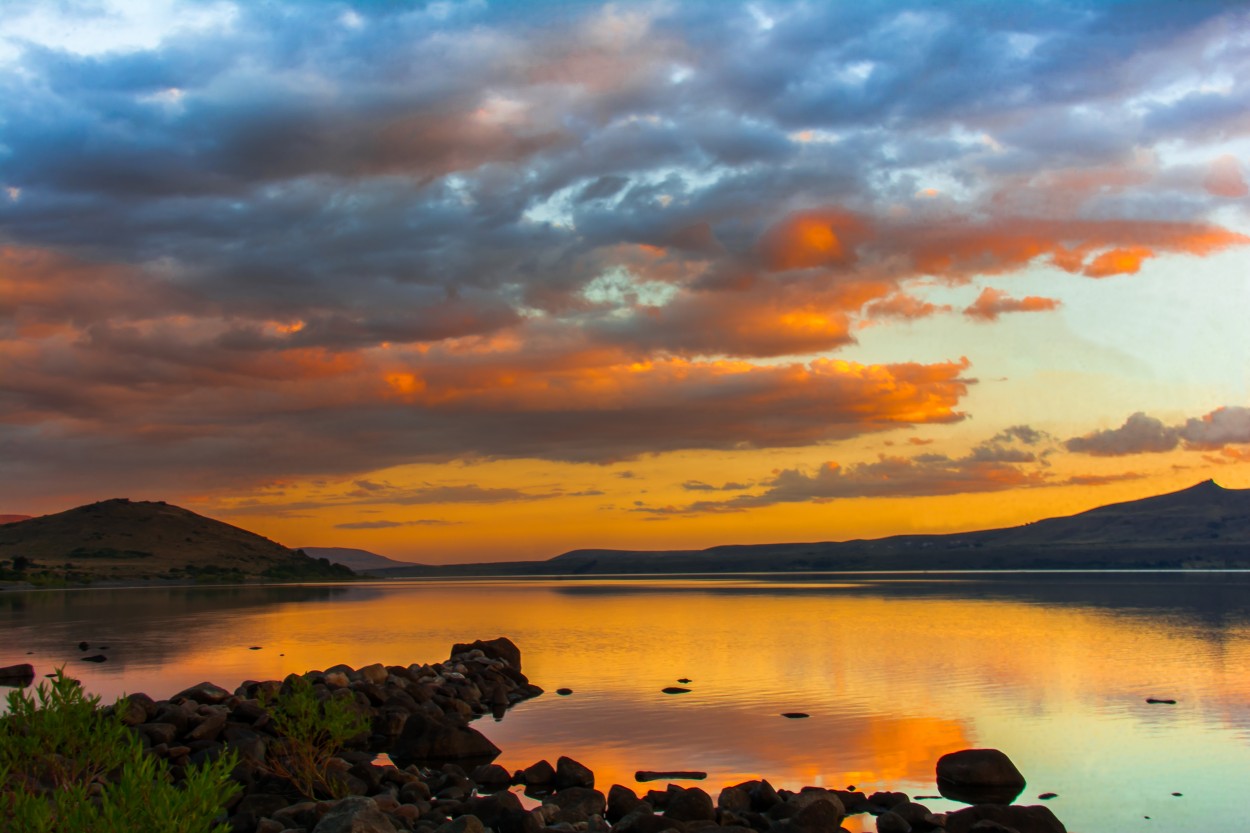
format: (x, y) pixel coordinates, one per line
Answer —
(894, 672)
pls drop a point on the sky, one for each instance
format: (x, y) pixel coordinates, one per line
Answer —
(465, 281)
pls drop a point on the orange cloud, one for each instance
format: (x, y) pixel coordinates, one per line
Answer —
(992, 303)
(811, 240)
(904, 306)
(1118, 262)
(959, 251)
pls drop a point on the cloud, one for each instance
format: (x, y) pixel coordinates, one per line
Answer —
(992, 303)
(276, 244)
(905, 307)
(1145, 434)
(1025, 434)
(392, 524)
(1139, 434)
(700, 486)
(1220, 427)
(1225, 178)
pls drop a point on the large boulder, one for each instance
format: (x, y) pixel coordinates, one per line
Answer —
(979, 776)
(431, 740)
(1031, 819)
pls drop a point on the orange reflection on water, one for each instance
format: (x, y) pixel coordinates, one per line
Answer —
(892, 674)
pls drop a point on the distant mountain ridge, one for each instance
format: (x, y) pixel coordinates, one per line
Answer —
(362, 561)
(1204, 526)
(125, 540)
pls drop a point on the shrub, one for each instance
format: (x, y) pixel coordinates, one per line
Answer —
(311, 732)
(66, 765)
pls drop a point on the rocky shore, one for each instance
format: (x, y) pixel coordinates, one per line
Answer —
(437, 777)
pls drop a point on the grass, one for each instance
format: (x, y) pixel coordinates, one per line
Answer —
(67, 765)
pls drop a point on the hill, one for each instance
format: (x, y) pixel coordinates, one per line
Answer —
(1205, 526)
(12, 519)
(362, 561)
(123, 540)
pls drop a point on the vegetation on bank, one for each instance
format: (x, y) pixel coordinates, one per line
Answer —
(301, 568)
(66, 764)
(311, 733)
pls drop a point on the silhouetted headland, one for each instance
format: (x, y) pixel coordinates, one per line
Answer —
(1202, 527)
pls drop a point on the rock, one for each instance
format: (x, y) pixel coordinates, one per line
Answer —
(538, 776)
(675, 689)
(491, 778)
(17, 676)
(691, 804)
(82, 646)
(1031, 819)
(821, 816)
(734, 800)
(206, 693)
(1161, 701)
(577, 804)
(570, 773)
(892, 822)
(427, 739)
(795, 715)
(685, 680)
(916, 815)
(209, 728)
(887, 800)
(621, 802)
(158, 733)
(503, 813)
(356, 814)
(642, 820)
(498, 648)
(462, 824)
(252, 808)
(95, 658)
(979, 776)
(564, 692)
(643, 775)
(375, 673)
(131, 711)
(1049, 796)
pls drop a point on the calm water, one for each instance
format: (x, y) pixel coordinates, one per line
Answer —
(894, 673)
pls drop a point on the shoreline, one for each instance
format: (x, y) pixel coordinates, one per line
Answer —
(422, 767)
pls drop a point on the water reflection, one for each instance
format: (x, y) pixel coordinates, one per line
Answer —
(893, 673)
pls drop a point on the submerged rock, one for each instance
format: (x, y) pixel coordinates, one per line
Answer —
(644, 775)
(17, 676)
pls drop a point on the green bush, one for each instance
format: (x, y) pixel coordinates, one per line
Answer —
(65, 765)
(311, 732)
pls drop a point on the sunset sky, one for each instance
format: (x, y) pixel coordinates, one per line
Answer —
(495, 280)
